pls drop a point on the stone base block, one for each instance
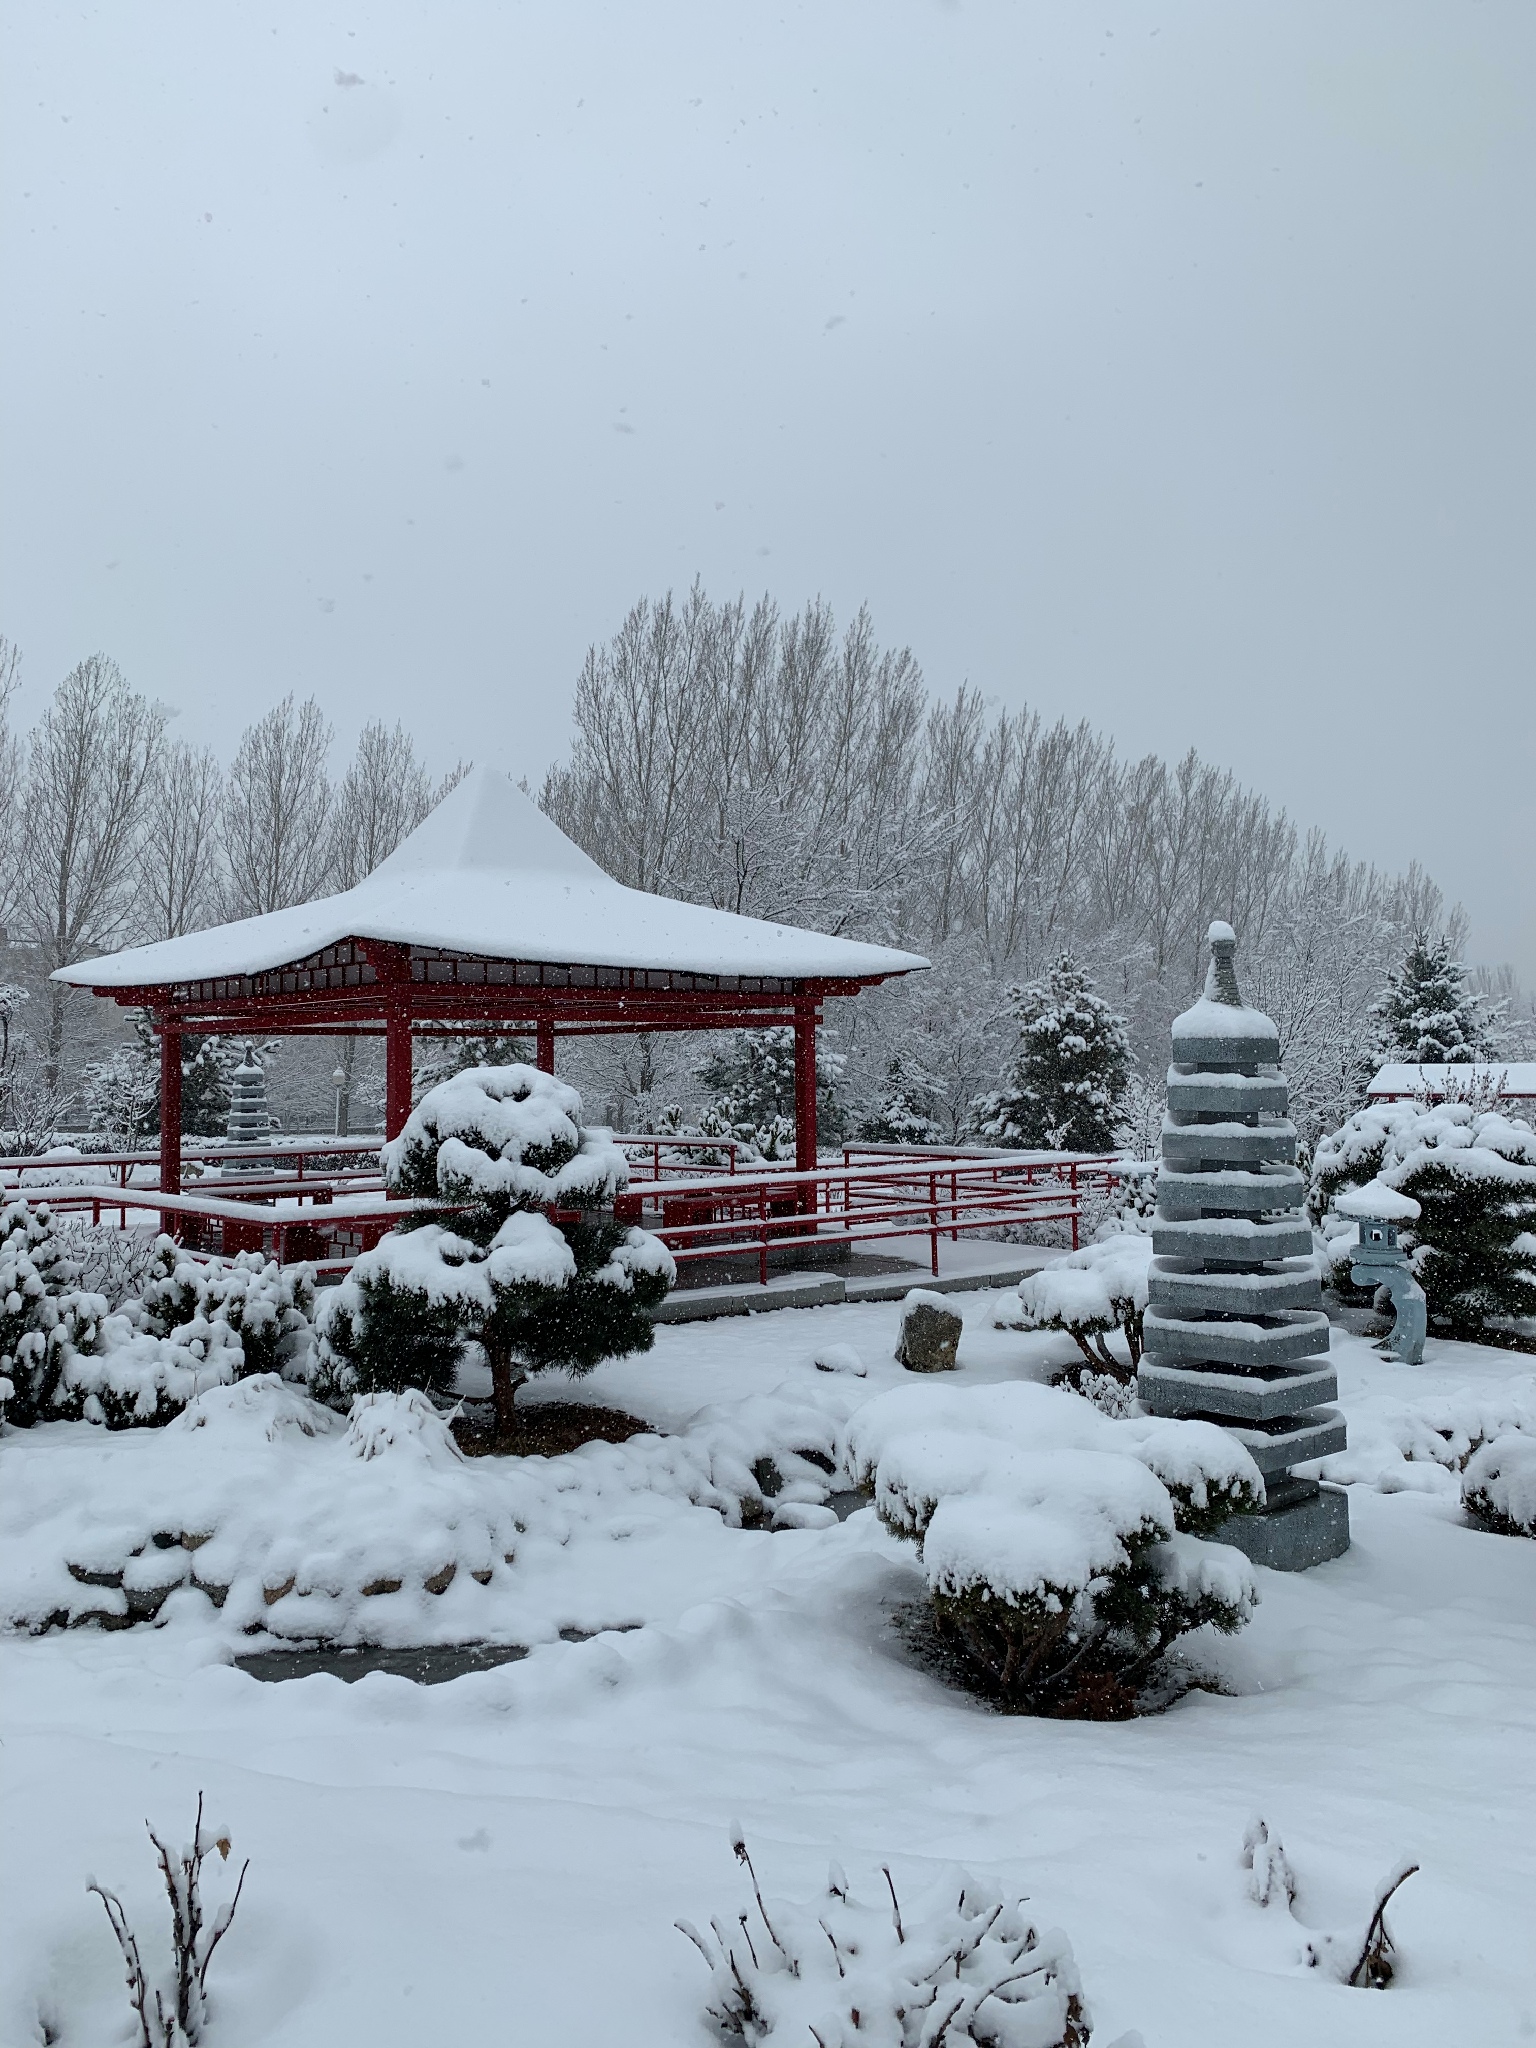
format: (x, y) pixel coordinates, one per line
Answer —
(1295, 1535)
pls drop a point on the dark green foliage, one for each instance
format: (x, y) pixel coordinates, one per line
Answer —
(1427, 1014)
(1034, 1654)
(1473, 1175)
(519, 1254)
(391, 1338)
(751, 1076)
(902, 1114)
(1071, 1071)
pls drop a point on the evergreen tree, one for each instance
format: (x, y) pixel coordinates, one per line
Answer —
(902, 1112)
(523, 1258)
(1473, 1175)
(1070, 1074)
(1426, 1014)
(751, 1076)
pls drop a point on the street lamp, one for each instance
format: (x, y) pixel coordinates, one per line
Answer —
(339, 1083)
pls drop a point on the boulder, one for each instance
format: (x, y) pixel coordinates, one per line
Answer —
(930, 1333)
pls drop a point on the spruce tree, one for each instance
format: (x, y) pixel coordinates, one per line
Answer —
(522, 1255)
(1071, 1071)
(902, 1112)
(751, 1076)
(1427, 1016)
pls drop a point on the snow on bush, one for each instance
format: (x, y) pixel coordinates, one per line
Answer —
(261, 1503)
(966, 1965)
(69, 1357)
(1499, 1483)
(1088, 1294)
(525, 1261)
(1425, 1446)
(1473, 1174)
(1063, 1550)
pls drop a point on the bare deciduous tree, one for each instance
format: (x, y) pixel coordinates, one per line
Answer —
(179, 860)
(277, 807)
(90, 763)
(383, 796)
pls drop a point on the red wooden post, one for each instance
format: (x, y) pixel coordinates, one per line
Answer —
(170, 1111)
(397, 1070)
(544, 1045)
(805, 1086)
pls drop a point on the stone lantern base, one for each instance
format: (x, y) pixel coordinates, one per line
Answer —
(1305, 1523)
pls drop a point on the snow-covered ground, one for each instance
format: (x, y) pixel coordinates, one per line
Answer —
(501, 1859)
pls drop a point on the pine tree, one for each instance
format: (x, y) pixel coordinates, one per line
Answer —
(1071, 1071)
(902, 1112)
(1426, 1014)
(751, 1076)
(523, 1257)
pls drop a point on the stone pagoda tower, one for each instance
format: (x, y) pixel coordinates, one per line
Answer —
(1235, 1329)
(250, 1121)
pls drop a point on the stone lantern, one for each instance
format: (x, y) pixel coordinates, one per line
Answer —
(250, 1121)
(1235, 1329)
(1378, 1260)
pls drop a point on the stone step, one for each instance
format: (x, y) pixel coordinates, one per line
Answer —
(1266, 1396)
(1171, 1286)
(1296, 1535)
(1291, 1441)
(1231, 1095)
(1293, 1335)
(1251, 1049)
(1181, 1196)
(1232, 1239)
(1189, 1147)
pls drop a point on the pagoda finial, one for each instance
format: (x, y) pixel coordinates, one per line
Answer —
(1221, 975)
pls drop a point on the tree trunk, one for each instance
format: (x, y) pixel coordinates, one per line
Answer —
(506, 1377)
(55, 1058)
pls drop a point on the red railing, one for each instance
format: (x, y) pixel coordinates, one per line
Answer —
(878, 1193)
(925, 1194)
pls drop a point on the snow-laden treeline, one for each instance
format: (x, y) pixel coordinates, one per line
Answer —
(780, 766)
(777, 765)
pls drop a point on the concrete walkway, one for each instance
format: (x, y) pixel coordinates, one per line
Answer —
(967, 1273)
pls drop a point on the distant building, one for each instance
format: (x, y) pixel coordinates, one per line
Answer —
(1508, 1081)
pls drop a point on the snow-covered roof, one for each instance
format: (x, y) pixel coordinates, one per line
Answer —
(487, 873)
(1513, 1080)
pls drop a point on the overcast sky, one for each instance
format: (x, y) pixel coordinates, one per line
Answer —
(1167, 365)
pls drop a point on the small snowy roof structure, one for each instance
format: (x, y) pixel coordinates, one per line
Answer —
(1510, 1080)
(487, 874)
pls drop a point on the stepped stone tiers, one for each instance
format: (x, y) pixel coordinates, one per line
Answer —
(250, 1121)
(1235, 1328)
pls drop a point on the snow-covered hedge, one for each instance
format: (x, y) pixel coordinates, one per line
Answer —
(1088, 1294)
(1473, 1175)
(966, 1965)
(69, 1357)
(526, 1260)
(1499, 1484)
(1063, 1550)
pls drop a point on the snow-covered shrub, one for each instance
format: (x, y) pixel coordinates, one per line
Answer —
(966, 1965)
(1499, 1484)
(1070, 1071)
(1087, 1294)
(1473, 1175)
(71, 1357)
(268, 1309)
(119, 1264)
(1064, 1550)
(525, 1258)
